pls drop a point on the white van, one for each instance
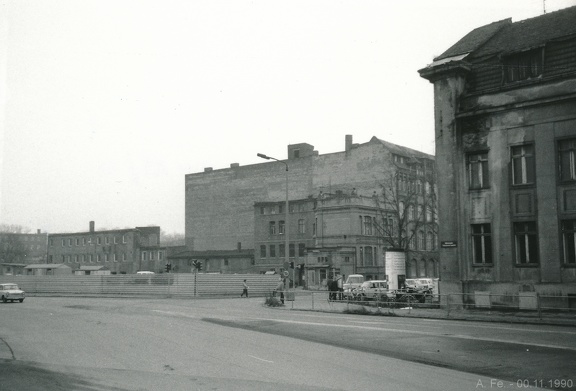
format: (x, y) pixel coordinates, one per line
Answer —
(353, 281)
(145, 273)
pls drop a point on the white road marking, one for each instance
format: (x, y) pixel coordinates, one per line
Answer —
(459, 336)
(261, 359)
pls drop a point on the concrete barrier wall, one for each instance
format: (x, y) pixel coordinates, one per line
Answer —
(171, 284)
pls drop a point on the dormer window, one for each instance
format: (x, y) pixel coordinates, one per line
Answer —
(523, 65)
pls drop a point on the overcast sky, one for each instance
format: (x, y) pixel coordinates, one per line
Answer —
(108, 104)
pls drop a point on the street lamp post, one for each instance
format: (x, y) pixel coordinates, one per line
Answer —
(286, 224)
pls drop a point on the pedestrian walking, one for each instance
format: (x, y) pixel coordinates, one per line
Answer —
(245, 289)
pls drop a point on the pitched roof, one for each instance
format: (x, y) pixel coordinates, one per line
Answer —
(93, 268)
(47, 266)
(474, 39)
(400, 150)
(505, 36)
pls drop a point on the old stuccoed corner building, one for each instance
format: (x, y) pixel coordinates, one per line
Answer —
(331, 210)
(505, 124)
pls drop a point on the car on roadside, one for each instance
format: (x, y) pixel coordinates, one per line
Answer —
(353, 281)
(373, 290)
(11, 292)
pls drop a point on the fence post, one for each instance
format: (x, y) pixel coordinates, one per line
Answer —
(312, 300)
(448, 305)
(538, 305)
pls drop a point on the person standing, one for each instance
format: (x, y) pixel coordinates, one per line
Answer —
(245, 289)
(280, 289)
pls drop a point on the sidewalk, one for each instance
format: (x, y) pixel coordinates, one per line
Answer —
(308, 302)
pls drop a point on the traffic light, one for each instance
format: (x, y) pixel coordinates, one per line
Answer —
(199, 267)
(291, 265)
(168, 267)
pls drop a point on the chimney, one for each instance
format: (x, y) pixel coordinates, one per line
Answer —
(38, 231)
(239, 246)
(348, 143)
(91, 226)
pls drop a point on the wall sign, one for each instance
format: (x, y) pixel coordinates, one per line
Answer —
(449, 244)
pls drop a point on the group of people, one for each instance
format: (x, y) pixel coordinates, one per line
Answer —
(279, 289)
(336, 288)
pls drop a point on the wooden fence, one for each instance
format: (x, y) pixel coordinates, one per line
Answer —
(163, 285)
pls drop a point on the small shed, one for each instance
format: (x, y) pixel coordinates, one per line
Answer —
(47, 269)
(92, 271)
(12, 269)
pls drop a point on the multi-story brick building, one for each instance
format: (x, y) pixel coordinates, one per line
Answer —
(505, 120)
(123, 251)
(245, 206)
(270, 230)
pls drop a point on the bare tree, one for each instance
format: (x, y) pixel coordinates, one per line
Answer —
(12, 247)
(173, 239)
(407, 209)
(13, 228)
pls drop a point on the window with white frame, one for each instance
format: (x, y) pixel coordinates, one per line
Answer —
(526, 243)
(478, 170)
(569, 241)
(367, 225)
(481, 244)
(301, 226)
(567, 159)
(272, 228)
(523, 171)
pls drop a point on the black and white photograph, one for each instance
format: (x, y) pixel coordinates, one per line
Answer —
(287, 195)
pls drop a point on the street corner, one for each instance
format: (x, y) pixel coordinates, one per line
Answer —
(6, 352)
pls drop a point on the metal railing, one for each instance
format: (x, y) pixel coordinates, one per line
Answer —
(533, 305)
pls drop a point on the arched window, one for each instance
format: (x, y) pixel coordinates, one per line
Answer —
(421, 240)
(422, 268)
(413, 269)
(429, 241)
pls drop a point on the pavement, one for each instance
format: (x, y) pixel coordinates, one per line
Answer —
(318, 302)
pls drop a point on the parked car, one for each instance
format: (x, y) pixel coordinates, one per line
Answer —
(10, 292)
(373, 290)
(353, 281)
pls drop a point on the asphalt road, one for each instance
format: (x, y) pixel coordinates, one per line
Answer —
(238, 344)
